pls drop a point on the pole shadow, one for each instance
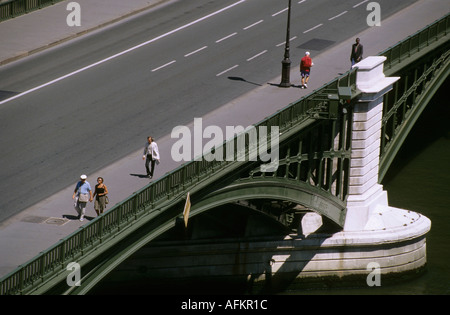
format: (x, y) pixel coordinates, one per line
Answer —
(243, 80)
(140, 175)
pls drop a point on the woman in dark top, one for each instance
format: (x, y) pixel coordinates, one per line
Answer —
(100, 193)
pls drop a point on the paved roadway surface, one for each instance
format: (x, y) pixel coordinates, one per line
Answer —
(86, 105)
(112, 96)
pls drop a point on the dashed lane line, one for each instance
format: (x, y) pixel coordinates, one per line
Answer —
(265, 51)
(164, 65)
(313, 28)
(336, 16)
(254, 24)
(358, 4)
(257, 55)
(284, 43)
(226, 37)
(279, 12)
(195, 51)
(278, 45)
(225, 71)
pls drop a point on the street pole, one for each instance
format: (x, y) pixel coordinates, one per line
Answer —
(286, 63)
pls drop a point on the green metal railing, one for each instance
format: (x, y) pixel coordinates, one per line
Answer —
(13, 8)
(416, 45)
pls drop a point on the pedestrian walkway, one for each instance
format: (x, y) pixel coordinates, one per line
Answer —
(25, 235)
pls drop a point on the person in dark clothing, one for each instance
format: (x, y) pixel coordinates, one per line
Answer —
(357, 52)
(100, 193)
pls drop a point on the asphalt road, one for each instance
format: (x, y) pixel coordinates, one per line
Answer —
(84, 104)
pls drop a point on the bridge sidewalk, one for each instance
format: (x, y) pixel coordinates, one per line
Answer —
(34, 230)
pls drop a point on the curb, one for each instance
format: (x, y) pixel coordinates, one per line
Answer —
(73, 36)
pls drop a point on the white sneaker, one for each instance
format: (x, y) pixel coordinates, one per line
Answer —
(305, 85)
(81, 218)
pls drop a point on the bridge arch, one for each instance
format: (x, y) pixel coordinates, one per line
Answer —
(281, 189)
(275, 188)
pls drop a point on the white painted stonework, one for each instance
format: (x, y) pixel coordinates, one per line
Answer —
(394, 239)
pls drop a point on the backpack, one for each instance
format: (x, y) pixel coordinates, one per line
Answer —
(307, 62)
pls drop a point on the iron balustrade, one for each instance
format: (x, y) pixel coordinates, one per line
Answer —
(413, 45)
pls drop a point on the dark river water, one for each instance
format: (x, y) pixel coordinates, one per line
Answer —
(419, 180)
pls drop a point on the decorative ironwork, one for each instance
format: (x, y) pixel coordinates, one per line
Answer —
(420, 78)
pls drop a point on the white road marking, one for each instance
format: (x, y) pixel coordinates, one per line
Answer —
(279, 12)
(357, 5)
(195, 51)
(336, 16)
(225, 71)
(226, 37)
(254, 24)
(164, 65)
(121, 53)
(257, 55)
(284, 43)
(312, 28)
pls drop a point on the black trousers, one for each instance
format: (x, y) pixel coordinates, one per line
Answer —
(149, 160)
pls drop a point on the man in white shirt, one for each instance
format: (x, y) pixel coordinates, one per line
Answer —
(151, 155)
(82, 194)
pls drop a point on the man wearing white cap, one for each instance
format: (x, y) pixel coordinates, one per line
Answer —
(83, 194)
(305, 69)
